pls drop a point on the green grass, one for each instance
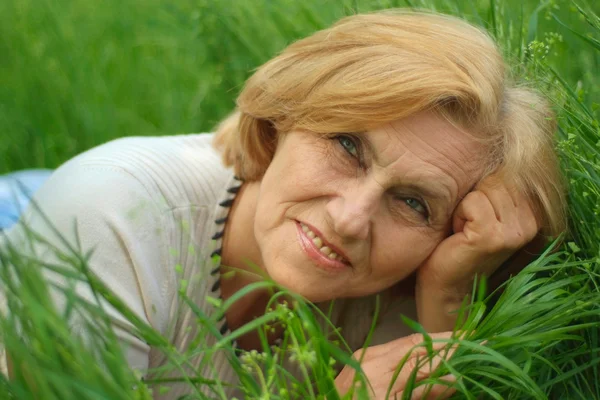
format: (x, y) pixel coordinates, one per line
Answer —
(74, 74)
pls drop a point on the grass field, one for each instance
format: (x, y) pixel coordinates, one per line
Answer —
(75, 74)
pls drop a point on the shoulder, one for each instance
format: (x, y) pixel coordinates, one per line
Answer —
(137, 197)
(176, 171)
(119, 200)
(134, 176)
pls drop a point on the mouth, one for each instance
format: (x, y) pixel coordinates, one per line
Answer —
(322, 252)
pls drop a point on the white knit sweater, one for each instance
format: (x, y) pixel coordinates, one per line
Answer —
(152, 209)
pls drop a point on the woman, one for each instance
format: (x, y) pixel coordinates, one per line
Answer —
(388, 146)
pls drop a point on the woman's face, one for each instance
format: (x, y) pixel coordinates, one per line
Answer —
(347, 215)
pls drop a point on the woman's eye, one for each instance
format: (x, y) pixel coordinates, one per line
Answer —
(349, 145)
(416, 205)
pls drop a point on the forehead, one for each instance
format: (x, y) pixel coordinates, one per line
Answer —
(427, 146)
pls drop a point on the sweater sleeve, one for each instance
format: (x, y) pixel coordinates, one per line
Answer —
(105, 210)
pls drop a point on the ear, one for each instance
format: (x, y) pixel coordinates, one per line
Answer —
(257, 144)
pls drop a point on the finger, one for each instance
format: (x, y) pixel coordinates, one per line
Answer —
(426, 364)
(421, 366)
(396, 349)
(519, 224)
(476, 210)
(519, 197)
(503, 203)
(518, 214)
(527, 220)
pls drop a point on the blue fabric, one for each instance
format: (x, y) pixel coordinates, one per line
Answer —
(15, 191)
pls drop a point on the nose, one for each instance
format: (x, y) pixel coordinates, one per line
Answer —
(351, 213)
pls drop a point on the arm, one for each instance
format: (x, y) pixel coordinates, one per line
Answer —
(489, 225)
(436, 308)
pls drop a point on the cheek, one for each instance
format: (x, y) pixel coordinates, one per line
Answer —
(403, 251)
(290, 189)
(298, 176)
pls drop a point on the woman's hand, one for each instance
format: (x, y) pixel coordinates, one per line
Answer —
(380, 362)
(490, 224)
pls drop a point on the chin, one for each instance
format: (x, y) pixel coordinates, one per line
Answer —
(313, 290)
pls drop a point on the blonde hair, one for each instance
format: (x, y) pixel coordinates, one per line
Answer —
(371, 69)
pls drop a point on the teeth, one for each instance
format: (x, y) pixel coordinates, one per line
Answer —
(325, 250)
(318, 242)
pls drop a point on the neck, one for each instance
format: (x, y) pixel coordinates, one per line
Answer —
(240, 251)
(241, 264)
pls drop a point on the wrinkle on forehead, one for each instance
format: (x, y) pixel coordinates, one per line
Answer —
(432, 147)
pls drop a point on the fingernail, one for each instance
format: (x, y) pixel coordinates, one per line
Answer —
(448, 378)
(441, 335)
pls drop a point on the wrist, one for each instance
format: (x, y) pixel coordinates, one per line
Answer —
(445, 292)
(437, 306)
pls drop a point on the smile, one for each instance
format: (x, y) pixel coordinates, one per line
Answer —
(319, 250)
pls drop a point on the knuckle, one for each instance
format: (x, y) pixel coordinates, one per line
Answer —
(476, 196)
(497, 232)
(358, 354)
(415, 339)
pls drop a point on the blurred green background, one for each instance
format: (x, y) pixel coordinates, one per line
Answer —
(77, 73)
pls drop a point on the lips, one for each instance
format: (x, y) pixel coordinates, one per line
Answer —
(313, 239)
